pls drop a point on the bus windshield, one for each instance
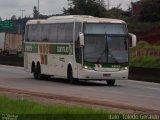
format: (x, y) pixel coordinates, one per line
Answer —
(106, 43)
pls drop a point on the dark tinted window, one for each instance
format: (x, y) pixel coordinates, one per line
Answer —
(60, 32)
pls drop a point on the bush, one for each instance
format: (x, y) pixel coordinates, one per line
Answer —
(145, 60)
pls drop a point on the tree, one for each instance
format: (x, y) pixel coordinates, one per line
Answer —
(35, 12)
(150, 10)
(13, 17)
(116, 12)
(0, 19)
(86, 7)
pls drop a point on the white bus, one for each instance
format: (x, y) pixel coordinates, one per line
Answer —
(77, 48)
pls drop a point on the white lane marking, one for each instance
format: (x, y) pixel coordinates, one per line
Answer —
(8, 66)
(155, 86)
(6, 69)
(144, 87)
(142, 82)
(12, 70)
(152, 88)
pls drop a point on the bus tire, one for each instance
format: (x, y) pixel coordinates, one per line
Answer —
(39, 75)
(35, 75)
(46, 77)
(110, 82)
(70, 76)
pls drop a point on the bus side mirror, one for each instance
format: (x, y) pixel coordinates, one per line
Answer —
(81, 39)
(132, 40)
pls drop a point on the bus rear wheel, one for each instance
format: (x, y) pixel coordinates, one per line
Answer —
(70, 76)
(46, 77)
(110, 82)
(35, 74)
(39, 75)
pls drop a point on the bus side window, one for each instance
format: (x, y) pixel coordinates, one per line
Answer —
(44, 33)
(53, 34)
(69, 32)
(77, 30)
(26, 33)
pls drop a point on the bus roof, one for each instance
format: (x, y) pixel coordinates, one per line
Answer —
(75, 18)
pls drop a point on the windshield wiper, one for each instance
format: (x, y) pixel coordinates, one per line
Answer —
(105, 51)
(112, 56)
(100, 56)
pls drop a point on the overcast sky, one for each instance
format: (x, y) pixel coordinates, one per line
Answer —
(15, 7)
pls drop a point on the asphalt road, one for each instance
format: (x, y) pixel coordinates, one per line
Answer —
(128, 92)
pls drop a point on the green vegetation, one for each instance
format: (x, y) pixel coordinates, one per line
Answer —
(21, 109)
(86, 7)
(142, 26)
(98, 8)
(31, 110)
(9, 106)
(148, 62)
(142, 45)
(150, 10)
(145, 55)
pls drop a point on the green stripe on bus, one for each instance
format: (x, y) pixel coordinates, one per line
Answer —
(36, 48)
(53, 49)
(105, 65)
(61, 49)
(32, 48)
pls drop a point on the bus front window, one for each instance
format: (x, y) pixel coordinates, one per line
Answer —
(106, 43)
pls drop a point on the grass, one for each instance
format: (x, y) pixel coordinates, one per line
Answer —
(26, 109)
(147, 62)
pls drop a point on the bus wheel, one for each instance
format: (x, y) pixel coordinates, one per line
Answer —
(110, 82)
(47, 77)
(35, 74)
(39, 75)
(70, 76)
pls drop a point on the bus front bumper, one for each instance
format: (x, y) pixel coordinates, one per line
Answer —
(98, 75)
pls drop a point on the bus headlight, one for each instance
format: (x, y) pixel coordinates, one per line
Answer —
(87, 67)
(124, 68)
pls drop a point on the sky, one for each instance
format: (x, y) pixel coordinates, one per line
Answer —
(20, 8)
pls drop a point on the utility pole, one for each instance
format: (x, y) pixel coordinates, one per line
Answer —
(108, 5)
(21, 30)
(21, 24)
(22, 12)
(38, 9)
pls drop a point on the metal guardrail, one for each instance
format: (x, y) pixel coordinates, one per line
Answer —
(11, 60)
(145, 74)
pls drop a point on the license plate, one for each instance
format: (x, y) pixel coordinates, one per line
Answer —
(106, 75)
